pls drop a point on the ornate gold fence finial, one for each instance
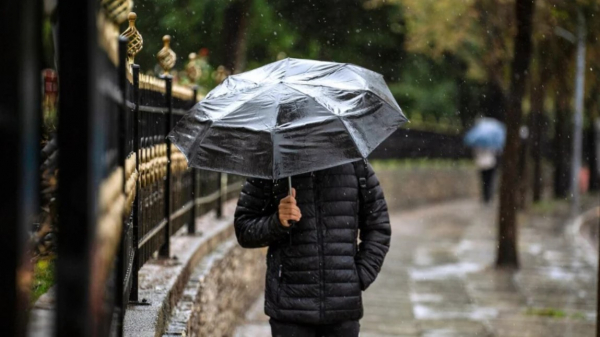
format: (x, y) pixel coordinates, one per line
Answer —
(166, 56)
(136, 43)
(192, 69)
(221, 74)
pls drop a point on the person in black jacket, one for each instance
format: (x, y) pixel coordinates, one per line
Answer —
(316, 271)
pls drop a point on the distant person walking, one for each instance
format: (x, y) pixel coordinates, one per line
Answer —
(486, 161)
(487, 139)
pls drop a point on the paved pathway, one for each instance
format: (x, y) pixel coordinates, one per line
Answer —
(437, 280)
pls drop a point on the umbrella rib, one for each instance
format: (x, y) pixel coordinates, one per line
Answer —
(272, 133)
(338, 116)
(351, 137)
(389, 105)
(341, 65)
(303, 93)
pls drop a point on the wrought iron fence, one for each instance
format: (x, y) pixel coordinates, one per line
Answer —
(123, 188)
(168, 194)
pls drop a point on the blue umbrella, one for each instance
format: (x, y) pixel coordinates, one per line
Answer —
(487, 133)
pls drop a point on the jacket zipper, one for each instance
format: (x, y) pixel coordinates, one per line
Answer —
(279, 281)
(320, 245)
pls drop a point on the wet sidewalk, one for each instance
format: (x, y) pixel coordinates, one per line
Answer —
(438, 281)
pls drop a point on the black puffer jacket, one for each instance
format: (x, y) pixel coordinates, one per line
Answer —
(315, 271)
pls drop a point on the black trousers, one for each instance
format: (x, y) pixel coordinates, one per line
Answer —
(343, 329)
(487, 184)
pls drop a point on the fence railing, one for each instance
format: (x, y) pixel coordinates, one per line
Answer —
(138, 186)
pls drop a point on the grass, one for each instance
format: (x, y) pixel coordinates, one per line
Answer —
(546, 206)
(553, 313)
(551, 206)
(43, 278)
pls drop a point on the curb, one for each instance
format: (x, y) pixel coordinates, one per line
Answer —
(587, 248)
(162, 281)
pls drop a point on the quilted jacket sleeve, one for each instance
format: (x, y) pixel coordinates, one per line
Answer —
(375, 231)
(256, 221)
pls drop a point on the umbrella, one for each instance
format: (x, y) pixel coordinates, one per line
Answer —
(487, 133)
(289, 117)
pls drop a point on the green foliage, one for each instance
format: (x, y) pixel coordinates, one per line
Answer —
(345, 31)
(425, 88)
(43, 278)
(47, 44)
(371, 34)
(553, 313)
(191, 24)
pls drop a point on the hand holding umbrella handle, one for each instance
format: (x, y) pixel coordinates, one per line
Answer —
(291, 222)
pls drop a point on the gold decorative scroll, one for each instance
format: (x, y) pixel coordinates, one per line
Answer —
(116, 10)
(183, 92)
(131, 177)
(178, 161)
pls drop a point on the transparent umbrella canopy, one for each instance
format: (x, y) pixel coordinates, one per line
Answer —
(289, 117)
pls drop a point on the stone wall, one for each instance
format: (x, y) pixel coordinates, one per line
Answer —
(221, 288)
(412, 186)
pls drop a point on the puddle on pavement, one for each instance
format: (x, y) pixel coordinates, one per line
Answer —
(427, 312)
(431, 298)
(444, 271)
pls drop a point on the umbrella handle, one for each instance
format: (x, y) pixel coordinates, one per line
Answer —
(290, 193)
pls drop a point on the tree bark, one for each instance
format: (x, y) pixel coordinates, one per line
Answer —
(523, 177)
(537, 110)
(507, 256)
(595, 155)
(594, 151)
(578, 116)
(538, 96)
(236, 25)
(562, 135)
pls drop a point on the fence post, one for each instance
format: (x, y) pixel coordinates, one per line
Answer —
(135, 69)
(19, 130)
(81, 135)
(121, 302)
(192, 223)
(166, 247)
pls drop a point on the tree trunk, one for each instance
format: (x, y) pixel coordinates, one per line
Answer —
(595, 155)
(578, 116)
(523, 177)
(538, 96)
(507, 217)
(236, 25)
(562, 150)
